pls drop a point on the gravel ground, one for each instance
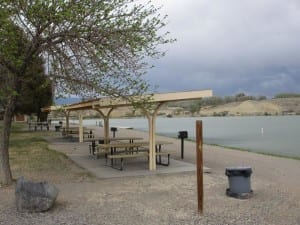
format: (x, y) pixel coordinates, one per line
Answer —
(172, 199)
(160, 199)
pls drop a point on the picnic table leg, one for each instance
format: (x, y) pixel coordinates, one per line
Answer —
(93, 147)
(158, 149)
(121, 164)
(112, 152)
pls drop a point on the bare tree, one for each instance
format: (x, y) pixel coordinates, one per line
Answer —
(93, 47)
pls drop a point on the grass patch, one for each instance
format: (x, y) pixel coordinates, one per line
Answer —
(32, 153)
(31, 157)
(17, 127)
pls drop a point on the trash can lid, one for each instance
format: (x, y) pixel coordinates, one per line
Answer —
(238, 171)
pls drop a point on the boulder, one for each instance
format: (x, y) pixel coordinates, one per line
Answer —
(34, 196)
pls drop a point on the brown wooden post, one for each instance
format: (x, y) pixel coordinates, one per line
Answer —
(199, 158)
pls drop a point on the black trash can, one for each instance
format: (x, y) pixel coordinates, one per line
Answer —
(57, 128)
(182, 135)
(114, 130)
(239, 182)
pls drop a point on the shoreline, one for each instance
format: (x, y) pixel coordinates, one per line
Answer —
(228, 147)
(256, 152)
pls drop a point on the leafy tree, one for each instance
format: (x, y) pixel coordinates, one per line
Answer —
(229, 99)
(243, 97)
(287, 95)
(90, 48)
(12, 48)
(240, 97)
(261, 97)
(214, 101)
(36, 91)
(195, 107)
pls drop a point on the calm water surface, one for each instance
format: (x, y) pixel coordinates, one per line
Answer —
(270, 134)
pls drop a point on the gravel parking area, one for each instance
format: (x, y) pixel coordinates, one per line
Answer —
(172, 198)
(161, 199)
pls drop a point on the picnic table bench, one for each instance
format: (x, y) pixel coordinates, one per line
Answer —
(124, 156)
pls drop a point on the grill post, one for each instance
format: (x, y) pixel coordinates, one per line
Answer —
(182, 135)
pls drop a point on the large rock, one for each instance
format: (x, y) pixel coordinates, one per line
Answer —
(34, 197)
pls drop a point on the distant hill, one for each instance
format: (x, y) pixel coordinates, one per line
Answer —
(279, 106)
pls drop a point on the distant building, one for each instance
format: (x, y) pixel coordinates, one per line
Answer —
(289, 112)
(20, 118)
(16, 118)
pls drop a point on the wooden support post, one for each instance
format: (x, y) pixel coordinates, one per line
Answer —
(151, 115)
(152, 137)
(67, 114)
(106, 129)
(199, 157)
(105, 115)
(80, 127)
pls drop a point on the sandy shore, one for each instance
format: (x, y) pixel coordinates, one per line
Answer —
(172, 199)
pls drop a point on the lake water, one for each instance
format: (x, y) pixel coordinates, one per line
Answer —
(270, 134)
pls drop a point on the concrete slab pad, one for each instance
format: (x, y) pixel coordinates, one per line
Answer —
(132, 167)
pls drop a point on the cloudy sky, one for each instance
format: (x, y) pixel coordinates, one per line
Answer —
(232, 46)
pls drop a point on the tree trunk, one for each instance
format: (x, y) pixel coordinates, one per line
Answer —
(6, 175)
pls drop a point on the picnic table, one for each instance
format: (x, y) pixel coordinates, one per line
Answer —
(35, 125)
(101, 140)
(123, 150)
(75, 130)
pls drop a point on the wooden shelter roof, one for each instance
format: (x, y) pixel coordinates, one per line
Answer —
(108, 102)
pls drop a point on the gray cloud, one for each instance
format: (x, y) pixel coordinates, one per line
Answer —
(231, 46)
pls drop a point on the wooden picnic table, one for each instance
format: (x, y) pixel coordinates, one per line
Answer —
(110, 139)
(73, 130)
(36, 124)
(132, 150)
(101, 140)
(131, 144)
